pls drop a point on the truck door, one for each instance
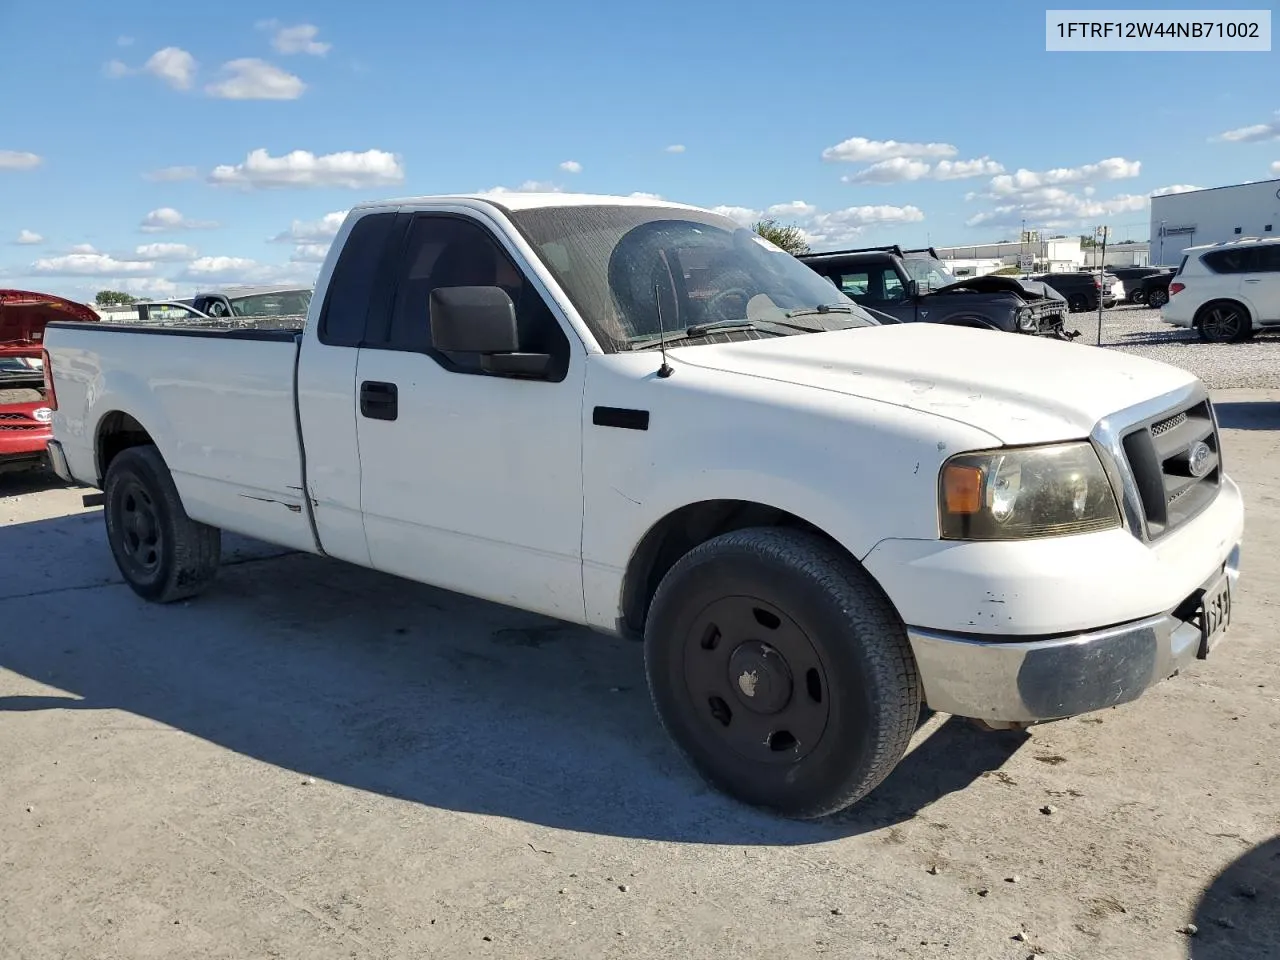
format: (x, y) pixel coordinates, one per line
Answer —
(879, 287)
(328, 402)
(471, 480)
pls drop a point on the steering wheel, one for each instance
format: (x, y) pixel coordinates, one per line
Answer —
(714, 302)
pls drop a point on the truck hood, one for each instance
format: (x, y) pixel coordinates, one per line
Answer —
(1019, 389)
(1027, 289)
(24, 314)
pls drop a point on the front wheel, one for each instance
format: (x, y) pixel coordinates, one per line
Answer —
(781, 671)
(162, 553)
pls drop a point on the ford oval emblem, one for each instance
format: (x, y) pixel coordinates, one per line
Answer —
(42, 415)
(1198, 458)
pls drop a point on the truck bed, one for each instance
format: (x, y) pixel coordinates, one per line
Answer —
(219, 402)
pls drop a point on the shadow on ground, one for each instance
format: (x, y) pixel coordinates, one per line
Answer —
(18, 482)
(1238, 916)
(367, 680)
(1249, 415)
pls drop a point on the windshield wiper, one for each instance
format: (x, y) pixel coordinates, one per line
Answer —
(821, 308)
(701, 330)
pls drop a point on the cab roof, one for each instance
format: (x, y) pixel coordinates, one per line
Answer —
(516, 200)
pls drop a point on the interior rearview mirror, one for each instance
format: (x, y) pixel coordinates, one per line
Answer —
(482, 320)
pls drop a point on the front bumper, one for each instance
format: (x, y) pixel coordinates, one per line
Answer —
(1027, 681)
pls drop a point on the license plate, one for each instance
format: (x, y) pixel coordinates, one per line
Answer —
(1215, 615)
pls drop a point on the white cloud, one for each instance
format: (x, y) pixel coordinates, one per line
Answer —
(895, 170)
(253, 79)
(820, 228)
(1275, 167)
(246, 270)
(982, 166)
(174, 66)
(795, 208)
(311, 231)
(167, 218)
(1179, 188)
(157, 288)
(301, 168)
(640, 194)
(862, 150)
(19, 160)
(297, 39)
(571, 166)
(83, 248)
(165, 251)
(1057, 208)
(309, 253)
(1024, 181)
(124, 41)
(529, 186)
(1251, 134)
(89, 265)
(675, 148)
(115, 69)
(29, 237)
(171, 174)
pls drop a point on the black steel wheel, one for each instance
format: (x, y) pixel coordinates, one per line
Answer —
(1157, 298)
(1223, 322)
(781, 671)
(162, 553)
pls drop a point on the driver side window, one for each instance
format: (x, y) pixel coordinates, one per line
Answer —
(450, 251)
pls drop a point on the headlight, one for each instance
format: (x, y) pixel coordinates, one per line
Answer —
(1026, 318)
(1026, 492)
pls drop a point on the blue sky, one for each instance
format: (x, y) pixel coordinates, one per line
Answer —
(161, 147)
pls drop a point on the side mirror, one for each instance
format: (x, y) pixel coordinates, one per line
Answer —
(482, 320)
(912, 288)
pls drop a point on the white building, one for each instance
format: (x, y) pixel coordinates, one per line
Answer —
(1055, 255)
(1136, 253)
(1181, 220)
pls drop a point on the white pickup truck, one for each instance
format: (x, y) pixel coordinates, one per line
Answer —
(636, 416)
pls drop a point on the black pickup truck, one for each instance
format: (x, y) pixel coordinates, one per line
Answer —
(909, 286)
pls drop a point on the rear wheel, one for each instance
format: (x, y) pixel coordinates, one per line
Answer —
(162, 553)
(781, 671)
(1157, 298)
(1076, 303)
(1223, 322)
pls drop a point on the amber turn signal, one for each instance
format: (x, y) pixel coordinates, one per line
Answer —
(962, 488)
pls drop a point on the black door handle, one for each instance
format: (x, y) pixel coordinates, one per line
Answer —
(378, 401)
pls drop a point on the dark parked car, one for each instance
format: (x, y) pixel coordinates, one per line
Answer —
(1083, 288)
(1155, 288)
(1132, 278)
(909, 286)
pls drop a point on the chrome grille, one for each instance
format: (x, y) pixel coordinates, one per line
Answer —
(1164, 426)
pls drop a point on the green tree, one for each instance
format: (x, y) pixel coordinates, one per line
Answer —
(787, 236)
(113, 298)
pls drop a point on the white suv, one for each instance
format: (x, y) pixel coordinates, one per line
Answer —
(1227, 291)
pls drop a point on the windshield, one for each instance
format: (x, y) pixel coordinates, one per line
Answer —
(929, 273)
(287, 303)
(622, 266)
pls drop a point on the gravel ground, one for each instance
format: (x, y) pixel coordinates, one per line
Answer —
(1140, 331)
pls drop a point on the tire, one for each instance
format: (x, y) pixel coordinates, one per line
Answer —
(838, 659)
(162, 553)
(1223, 321)
(1157, 298)
(1137, 298)
(1076, 303)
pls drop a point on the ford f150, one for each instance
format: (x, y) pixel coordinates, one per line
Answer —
(636, 416)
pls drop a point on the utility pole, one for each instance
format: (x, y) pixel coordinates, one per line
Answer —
(1102, 267)
(1162, 223)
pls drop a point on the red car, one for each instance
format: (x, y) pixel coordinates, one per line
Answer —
(24, 414)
